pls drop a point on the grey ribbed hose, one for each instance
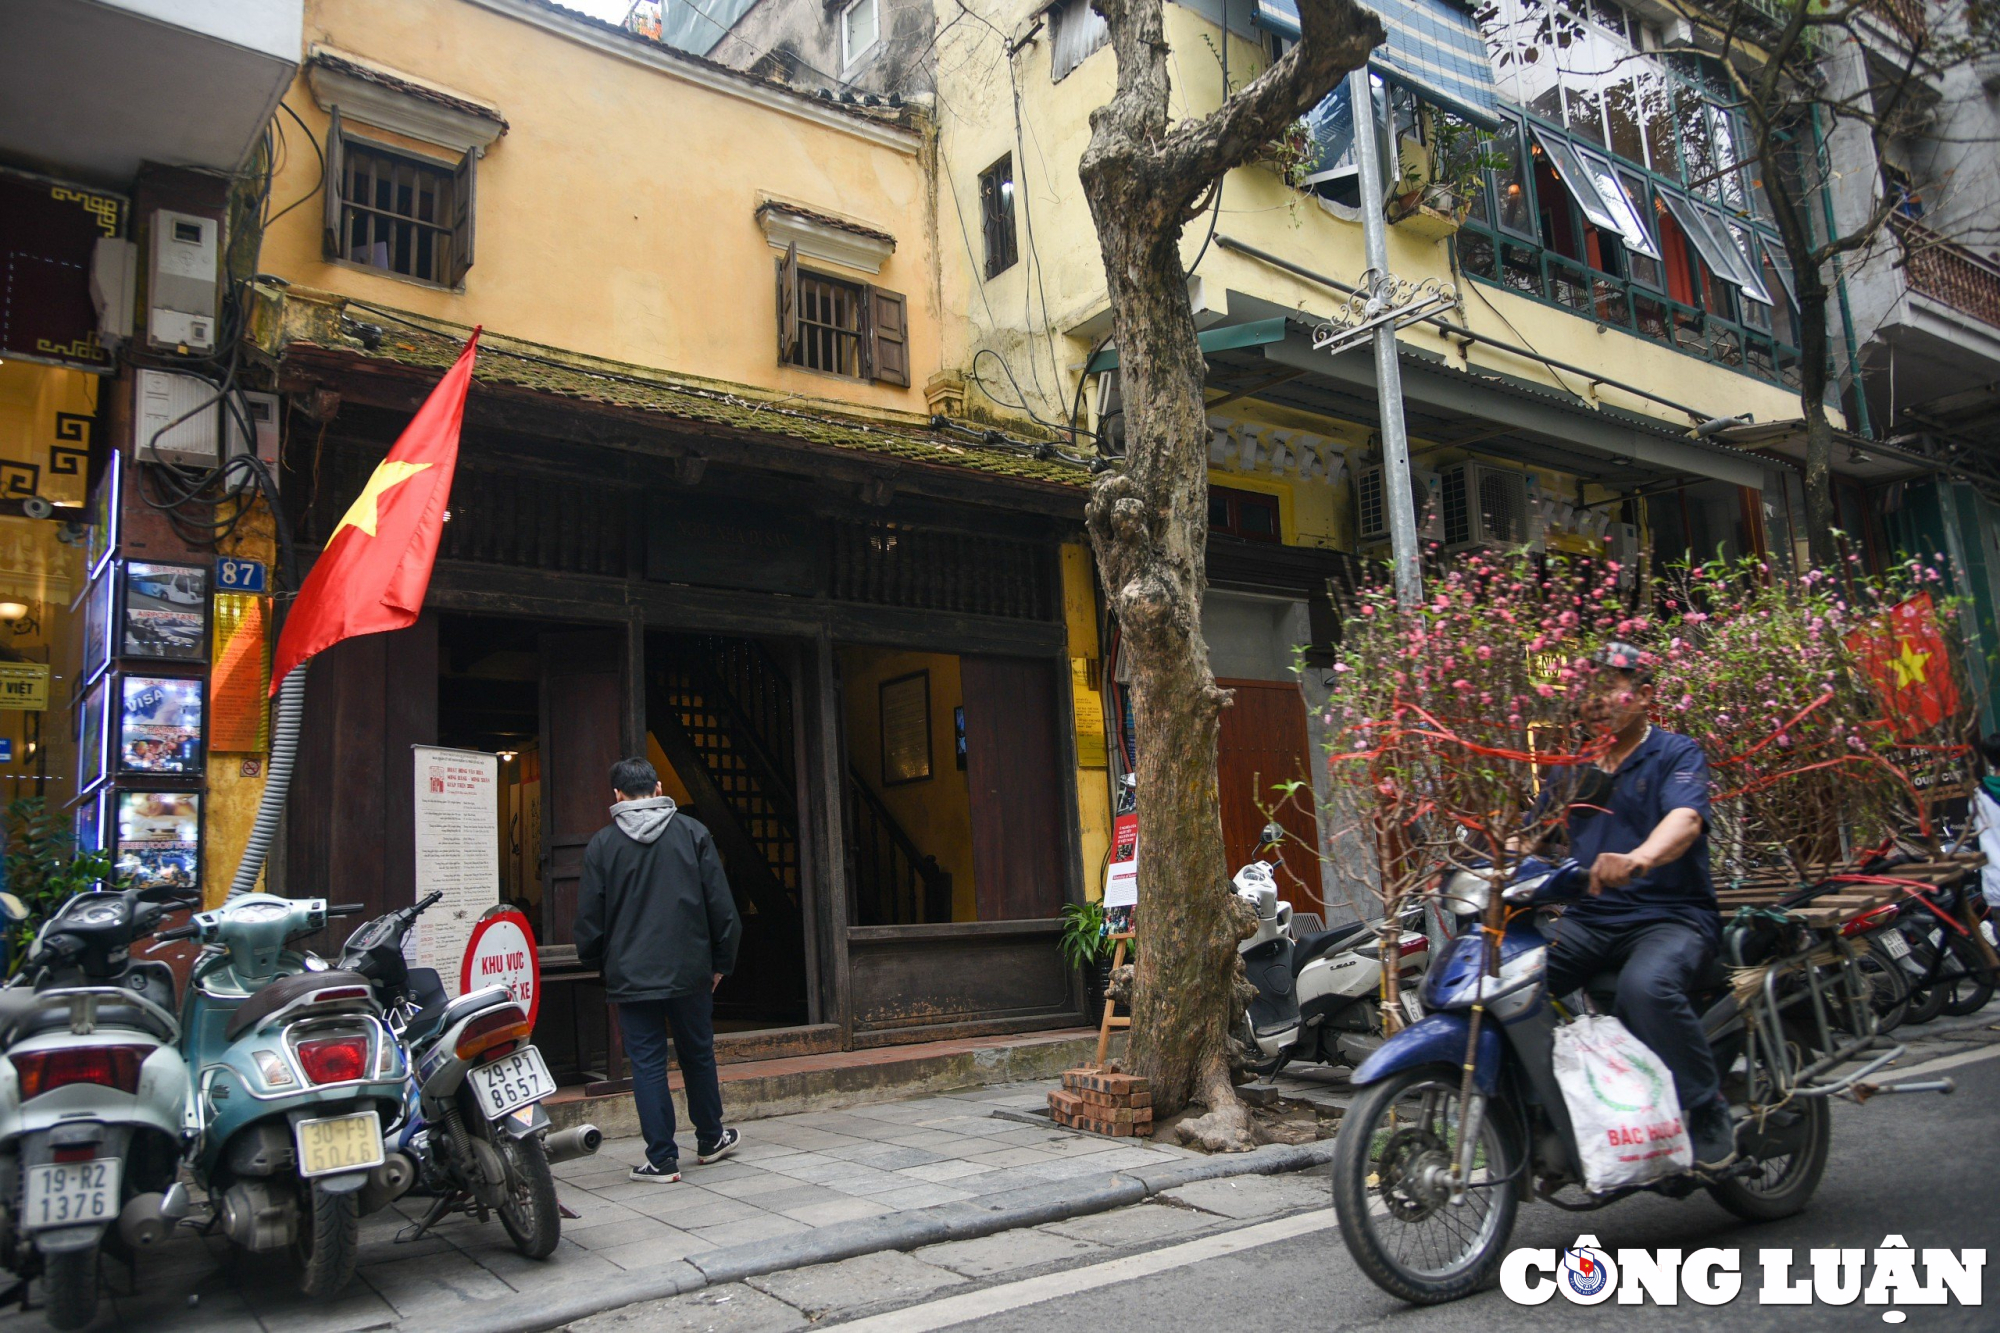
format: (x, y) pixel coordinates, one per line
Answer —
(285, 720)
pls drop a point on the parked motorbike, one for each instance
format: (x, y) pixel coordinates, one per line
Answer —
(1428, 1174)
(1318, 993)
(298, 1084)
(93, 1100)
(473, 1122)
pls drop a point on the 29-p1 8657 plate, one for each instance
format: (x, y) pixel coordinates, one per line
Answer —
(510, 1082)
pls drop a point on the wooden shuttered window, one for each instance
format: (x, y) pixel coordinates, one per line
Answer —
(841, 328)
(398, 212)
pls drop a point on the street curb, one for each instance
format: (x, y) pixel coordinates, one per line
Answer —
(907, 1230)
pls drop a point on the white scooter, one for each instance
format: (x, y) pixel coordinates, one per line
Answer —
(1318, 993)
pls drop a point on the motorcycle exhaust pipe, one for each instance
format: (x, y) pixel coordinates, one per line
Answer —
(567, 1145)
(144, 1222)
(387, 1182)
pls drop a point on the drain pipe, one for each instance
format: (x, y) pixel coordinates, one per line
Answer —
(285, 719)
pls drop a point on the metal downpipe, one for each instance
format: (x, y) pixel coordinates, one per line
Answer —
(285, 721)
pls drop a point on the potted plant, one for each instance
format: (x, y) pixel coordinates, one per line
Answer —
(1086, 944)
(42, 870)
(1440, 179)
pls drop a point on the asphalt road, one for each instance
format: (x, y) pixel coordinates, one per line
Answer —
(1925, 1167)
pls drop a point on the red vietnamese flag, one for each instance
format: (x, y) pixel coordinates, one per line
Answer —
(1906, 660)
(377, 565)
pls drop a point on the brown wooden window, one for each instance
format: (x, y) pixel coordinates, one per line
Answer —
(1244, 514)
(397, 212)
(996, 212)
(840, 327)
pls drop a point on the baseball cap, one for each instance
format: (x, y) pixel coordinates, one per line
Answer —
(1619, 656)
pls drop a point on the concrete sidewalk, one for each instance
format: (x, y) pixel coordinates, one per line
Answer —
(803, 1190)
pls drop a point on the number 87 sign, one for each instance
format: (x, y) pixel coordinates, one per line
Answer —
(501, 952)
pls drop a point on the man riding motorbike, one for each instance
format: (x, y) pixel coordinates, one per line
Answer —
(1638, 818)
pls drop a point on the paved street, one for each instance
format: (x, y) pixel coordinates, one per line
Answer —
(1262, 1253)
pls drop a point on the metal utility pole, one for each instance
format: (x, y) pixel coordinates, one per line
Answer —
(1396, 479)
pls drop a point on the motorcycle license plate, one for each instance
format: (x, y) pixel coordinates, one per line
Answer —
(1894, 942)
(511, 1082)
(69, 1193)
(339, 1143)
(1413, 1008)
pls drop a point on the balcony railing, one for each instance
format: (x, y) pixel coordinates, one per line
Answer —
(1906, 16)
(1948, 272)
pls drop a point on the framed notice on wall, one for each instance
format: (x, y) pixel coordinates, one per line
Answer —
(97, 629)
(164, 612)
(457, 795)
(159, 726)
(239, 713)
(158, 839)
(906, 728)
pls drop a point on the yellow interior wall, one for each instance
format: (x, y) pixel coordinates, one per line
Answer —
(616, 217)
(670, 778)
(937, 811)
(1093, 791)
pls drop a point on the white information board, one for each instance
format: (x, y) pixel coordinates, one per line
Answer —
(458, 852)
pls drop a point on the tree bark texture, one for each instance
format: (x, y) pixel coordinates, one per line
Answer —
(1148, 521)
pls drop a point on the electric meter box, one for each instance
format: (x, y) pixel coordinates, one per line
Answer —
(182, 276)
(164, 396)
(262, 409)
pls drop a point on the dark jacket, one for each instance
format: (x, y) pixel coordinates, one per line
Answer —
(654, 911)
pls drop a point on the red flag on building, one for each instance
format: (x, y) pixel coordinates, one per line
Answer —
(1906, 660)
(372, 575)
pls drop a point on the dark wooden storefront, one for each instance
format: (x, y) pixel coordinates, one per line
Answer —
(623, 561)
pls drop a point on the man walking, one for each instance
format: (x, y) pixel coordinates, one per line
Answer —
(655, 915)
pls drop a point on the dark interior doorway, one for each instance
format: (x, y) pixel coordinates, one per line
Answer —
(722, 716)
(489, 698)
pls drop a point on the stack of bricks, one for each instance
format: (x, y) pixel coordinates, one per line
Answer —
(1120, 1105)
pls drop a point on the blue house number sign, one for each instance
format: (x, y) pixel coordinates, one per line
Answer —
(239, 575)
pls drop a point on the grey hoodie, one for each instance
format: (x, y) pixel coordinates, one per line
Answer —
(643, 820)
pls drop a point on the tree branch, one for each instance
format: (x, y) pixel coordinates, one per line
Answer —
(1336, 37)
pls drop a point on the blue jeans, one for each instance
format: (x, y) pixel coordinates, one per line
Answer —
(1658, 965)
(644, 1024)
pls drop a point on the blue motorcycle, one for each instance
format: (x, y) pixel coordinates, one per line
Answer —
(298, 1085)
(1461, 1116)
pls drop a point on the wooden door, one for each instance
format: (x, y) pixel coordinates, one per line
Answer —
(1264, 743)
(583, 686)
(1015, 770)
(350, 823)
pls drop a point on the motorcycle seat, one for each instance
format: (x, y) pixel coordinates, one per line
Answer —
(284, 991)
(1323, 942)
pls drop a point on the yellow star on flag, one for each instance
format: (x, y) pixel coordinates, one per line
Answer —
(1910, 666)
(365, 510)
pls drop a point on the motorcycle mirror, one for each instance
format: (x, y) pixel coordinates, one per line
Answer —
(1274, 833)
(12, 908)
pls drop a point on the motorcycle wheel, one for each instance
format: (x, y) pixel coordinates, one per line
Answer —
(1396, 1220)
(1926, 1002)
(1888, 986)
(328, 1240)
(1969, 994)
(1789, 1159)
(529, 1211)
(69, 1279)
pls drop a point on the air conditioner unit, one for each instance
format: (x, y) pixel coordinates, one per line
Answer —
(1623, 543)
(1482, 506)
(163, 397)
(1371, 502)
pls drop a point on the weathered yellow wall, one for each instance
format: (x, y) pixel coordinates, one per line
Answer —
(937, 811)
(616, 216)
(1093, 792)
(233, 794)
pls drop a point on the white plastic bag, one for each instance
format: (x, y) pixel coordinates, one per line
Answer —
(1621, 1103)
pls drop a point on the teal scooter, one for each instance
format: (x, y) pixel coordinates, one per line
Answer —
(297, 1085)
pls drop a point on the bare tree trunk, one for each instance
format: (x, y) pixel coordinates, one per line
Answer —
(1813, 350)
(1149, 523)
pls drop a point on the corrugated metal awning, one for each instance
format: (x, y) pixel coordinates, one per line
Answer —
(1434, 48)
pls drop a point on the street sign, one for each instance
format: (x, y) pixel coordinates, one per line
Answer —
(233, 575)
(24, 685)
(6, 749)
(501, 952)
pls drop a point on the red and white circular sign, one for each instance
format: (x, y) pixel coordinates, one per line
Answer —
(501, 952)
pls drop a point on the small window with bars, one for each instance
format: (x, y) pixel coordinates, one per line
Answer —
(838, 327)
(996, 213)
(398, 212)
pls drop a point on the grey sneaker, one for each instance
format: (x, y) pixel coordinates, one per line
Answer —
(655, 1175)
(723, 1147)
(1714, 1136)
